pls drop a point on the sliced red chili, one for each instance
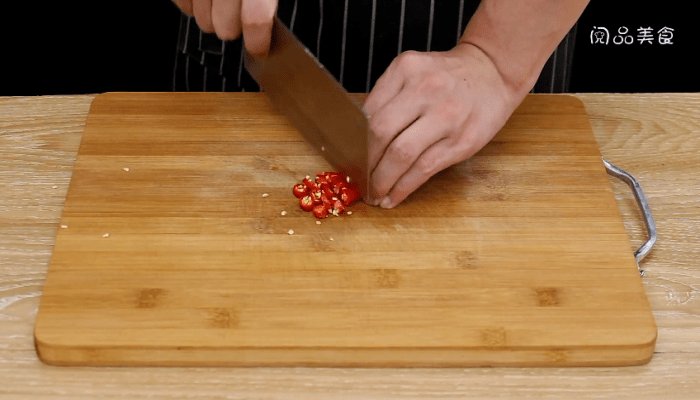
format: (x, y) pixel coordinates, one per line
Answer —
(320, 211)
(310, 184)
(338, 207)
(326, 201)
(338, 187)
(300, 190)
(349, 195)
(306, 203)
(321, 179)
(336, 180)
(328, 193)
(316, 196)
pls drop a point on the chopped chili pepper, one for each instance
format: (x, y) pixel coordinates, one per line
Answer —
(326, 201)
(316, 196)
(328, 193)
(338, 207)
(349, 195)
(320, 211)
(335, 180)
(321, 179)
(310, 185)
(337, 188)
(300, 190)
(306, 203)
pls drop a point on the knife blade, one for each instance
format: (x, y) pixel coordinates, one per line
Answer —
(299, 87)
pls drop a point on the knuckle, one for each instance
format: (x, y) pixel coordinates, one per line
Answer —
(381, 189)
(380, 128)
(257, 15)
(255, 23)
(426, 166)
(408, 60)
(402, 152)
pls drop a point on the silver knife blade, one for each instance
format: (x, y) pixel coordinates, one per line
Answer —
(316, 104)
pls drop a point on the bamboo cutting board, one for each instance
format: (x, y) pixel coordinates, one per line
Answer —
(170, 255)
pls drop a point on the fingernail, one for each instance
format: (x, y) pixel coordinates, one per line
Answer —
(385, 203)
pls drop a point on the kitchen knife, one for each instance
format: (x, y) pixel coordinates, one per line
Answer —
(315, 103)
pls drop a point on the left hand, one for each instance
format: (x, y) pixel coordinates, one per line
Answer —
(429, 111)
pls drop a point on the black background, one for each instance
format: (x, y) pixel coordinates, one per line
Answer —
(93, 47)
(637, 67)
(74, 47)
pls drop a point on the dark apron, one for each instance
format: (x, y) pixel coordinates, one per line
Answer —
(355, 40)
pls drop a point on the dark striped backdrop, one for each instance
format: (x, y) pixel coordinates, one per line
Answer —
(356, 41)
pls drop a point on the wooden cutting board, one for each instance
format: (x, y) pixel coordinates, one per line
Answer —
(170, 255)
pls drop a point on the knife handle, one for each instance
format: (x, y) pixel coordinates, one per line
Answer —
(643, 203)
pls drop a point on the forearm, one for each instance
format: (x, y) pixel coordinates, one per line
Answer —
(519, 36)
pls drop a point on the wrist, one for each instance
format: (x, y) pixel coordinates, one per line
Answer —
(518, 77)
(520, 36)
(510, 90)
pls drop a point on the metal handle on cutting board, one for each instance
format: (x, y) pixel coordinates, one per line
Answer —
(643, 204)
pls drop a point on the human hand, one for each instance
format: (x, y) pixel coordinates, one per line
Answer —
(429, 111)
(229, 18)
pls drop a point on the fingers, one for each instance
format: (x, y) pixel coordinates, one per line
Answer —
(402, 156)
(387, 87)
(229, 18)
(387, 123)
(430, 162)
(256, 21)
(202, 14)
(226, 17)
(392, 81)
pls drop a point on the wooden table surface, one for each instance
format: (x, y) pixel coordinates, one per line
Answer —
(656, 137)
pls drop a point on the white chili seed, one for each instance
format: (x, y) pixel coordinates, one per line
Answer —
(283, 213)
(290, 232)
(265, 195)
(126, 169)
(64, 226)
(106, 235)
(318, 222)
(54, 187)
(349, 212)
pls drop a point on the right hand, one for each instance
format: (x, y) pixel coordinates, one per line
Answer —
(229, 18)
